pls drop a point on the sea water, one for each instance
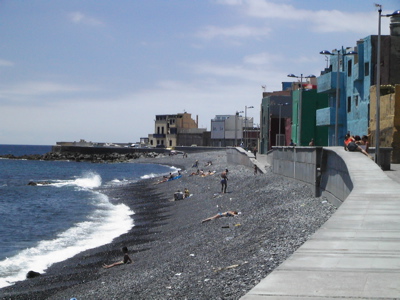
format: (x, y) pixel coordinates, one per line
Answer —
(66, 214)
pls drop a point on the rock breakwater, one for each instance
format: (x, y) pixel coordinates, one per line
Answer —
(80, 157)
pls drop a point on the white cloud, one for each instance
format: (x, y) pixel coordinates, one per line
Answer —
(42, 93)
(6, 63)
(80, 18)
(263, 58)
(240, 31)
(317, 21)
(43, 88)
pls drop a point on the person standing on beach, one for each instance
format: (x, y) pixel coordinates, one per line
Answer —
(126, 260)
(255, 152)
(224, 181)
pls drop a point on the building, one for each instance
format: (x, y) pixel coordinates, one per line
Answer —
(231, 130)
(389, 118)
(356, 73)
(176, 130)
(275, 118)
(306, 103)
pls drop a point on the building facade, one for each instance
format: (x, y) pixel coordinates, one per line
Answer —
(174, 130)
(231, 130)
(275, 119)
(357, 73)
(306, 103)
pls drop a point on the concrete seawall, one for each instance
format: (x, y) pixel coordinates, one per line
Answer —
(321, 168)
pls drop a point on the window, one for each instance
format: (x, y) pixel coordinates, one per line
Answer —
(348, 104)
(349, 67)
(366, 69)
(356, 100)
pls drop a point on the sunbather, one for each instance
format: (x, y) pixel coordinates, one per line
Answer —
(230, 213)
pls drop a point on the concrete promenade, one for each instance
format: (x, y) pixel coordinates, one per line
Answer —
(356, 253)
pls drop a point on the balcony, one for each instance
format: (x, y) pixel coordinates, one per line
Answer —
(327, 82)
(325, 116)
(158, 136)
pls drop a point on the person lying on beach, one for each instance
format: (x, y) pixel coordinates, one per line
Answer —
(195, 173)
(230, 213)
(208, 173)
(126, 260)
(166, 178)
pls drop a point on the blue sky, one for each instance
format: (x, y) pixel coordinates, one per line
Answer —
(101, 70)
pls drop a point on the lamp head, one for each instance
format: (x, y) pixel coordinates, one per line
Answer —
(351, 53)
(395, 13)
(325, 52)
(291, 75)
(310, 76)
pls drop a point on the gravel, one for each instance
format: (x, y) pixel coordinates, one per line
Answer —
(175, 255)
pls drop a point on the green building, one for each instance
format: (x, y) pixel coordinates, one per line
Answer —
(305, 104)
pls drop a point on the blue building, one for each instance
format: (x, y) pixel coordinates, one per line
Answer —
(353, 75)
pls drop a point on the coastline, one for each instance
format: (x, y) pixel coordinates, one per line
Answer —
(177, 257)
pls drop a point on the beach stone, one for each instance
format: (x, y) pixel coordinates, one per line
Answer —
(32, 274)
(277, 216)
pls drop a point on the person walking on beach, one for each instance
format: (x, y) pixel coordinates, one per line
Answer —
(255, 152)
(126, 260)
(224, 181)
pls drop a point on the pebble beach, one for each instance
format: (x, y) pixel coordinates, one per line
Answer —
(175, 255)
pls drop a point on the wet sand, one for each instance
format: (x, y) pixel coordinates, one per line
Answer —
(175, 255)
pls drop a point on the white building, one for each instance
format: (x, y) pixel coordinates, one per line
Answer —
(229, 130)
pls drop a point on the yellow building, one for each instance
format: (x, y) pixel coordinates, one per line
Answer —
(168, 127)
(389, 119)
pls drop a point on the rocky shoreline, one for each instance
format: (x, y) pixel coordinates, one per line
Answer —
(175, 255)
(80, 157)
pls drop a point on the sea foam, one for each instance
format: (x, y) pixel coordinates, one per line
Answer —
(105, 223)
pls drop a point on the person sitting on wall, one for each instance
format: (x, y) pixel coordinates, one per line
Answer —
(350, 145)
(365, 143)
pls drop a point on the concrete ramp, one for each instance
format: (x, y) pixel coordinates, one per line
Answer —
(355, 254)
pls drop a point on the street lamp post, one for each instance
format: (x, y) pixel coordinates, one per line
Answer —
(378, 84)
(326, 52)
(299, 110)
(245, 124)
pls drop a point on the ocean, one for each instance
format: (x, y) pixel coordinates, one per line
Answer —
(67, 214)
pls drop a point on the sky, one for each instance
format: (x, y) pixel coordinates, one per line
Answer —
(101, 70)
